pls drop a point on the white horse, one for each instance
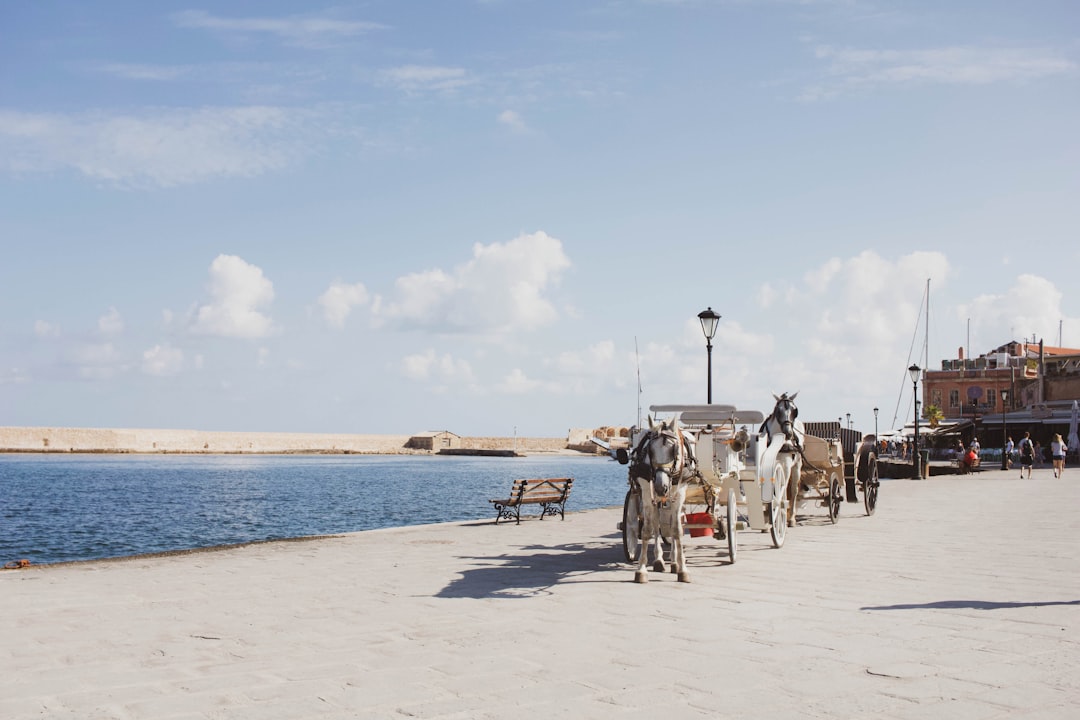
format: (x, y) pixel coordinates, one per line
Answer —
(783, 428)
(662, 464)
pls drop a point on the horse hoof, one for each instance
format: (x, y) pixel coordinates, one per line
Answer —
(674, 569)
(658, 566)
(684, 577)
(791, 522)
(641, 578)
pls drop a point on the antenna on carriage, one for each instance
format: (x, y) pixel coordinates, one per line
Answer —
(637, 360)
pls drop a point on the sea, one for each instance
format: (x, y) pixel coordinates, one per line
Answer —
(62, 508)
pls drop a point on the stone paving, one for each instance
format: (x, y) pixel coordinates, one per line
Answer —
(959, 598)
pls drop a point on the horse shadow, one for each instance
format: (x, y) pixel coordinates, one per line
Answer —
(535, 571)
(969, 605)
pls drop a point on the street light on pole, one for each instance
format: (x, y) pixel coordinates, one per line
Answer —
(709, 318)
(1004, 432)
(875, 422)
(848, 420)
(914, 371)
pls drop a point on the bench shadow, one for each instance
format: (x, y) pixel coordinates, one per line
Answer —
(536, 570)
(968, 605)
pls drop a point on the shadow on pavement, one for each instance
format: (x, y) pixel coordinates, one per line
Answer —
(969, 604)
(535, 571)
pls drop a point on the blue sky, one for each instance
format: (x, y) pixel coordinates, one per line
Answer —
(488, 216)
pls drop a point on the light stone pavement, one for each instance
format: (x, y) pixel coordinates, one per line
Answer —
(959, 598)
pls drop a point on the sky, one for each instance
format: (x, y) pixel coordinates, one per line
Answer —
(502, 217)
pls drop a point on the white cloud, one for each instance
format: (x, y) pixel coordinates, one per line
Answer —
(305, 31)
(513, 120)
(414, 78)
(1030, 308)
(159, 147)
(516, 383)
(501, 289)
(855, 69)
(46, 329)
(111, 323)
(162, 361)
(238, 292)
(339, 300)
(262, 356)
(13, 376)
(131, 71)
(429, 365)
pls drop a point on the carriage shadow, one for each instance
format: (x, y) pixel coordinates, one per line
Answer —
(536, 570)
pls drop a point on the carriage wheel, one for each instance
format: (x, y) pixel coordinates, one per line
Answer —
(778, 507)
(870, 486)
(732, 524)
(834, 498)
(631, 526)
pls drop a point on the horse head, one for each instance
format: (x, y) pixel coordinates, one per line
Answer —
(784, 415)
(660, 456)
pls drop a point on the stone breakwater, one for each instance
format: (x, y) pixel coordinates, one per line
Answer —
(101, 440)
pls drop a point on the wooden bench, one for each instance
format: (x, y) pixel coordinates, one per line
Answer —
(549, 493)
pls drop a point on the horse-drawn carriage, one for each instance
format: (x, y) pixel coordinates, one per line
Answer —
(846, 457)
(735, 464)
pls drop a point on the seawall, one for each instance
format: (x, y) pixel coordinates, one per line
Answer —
(103, 440)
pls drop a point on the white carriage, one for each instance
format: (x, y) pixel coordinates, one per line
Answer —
(739, 483)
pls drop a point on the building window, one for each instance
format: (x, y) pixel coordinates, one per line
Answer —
(991, 398)
(954, 398)
(935, 398)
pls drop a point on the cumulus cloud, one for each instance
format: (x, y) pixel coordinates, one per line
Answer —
(162, 361)
(517, 383)
(339, 300)
(429, 365)
(238, 293)
(157, 147)
(111, 323)
(501, 289)
(1032, 307)
(855, 69)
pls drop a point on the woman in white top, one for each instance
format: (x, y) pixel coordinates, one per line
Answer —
(1057, 454)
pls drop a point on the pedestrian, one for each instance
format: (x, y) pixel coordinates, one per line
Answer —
(1038, 453)
(1027, 455)
(1009, 448)
(1057, 454)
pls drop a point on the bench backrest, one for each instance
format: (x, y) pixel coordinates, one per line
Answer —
(532, 488)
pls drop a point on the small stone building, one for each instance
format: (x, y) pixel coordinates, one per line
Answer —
(434, 441)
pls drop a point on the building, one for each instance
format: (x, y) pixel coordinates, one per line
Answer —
(1026, 386)
(434, 441)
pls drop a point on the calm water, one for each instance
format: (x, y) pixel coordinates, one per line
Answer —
(55, 508)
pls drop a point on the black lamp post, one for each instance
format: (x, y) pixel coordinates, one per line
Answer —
(708, 319)
(914, 371)
(875, 423)
(1004, 432)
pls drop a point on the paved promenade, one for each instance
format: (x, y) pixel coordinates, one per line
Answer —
(959, 599)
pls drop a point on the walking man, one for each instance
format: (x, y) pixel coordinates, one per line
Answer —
(1027, 455)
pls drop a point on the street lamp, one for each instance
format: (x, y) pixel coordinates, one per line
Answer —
(914, 371)
(848, 420)
(708, 319)
(1004, 432)
(875, 422)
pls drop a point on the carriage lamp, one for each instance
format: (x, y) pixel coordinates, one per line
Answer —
(1004, 432)
(709, 318)
(848, 420)
(914, 372)
(875, 422)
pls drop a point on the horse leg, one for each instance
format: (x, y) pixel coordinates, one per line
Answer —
(794, 483)
(649, 531)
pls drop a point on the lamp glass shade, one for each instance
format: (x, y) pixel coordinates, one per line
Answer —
(708, 319)
(914, 371)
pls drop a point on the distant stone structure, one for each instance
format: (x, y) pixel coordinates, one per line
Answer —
(103, 440)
